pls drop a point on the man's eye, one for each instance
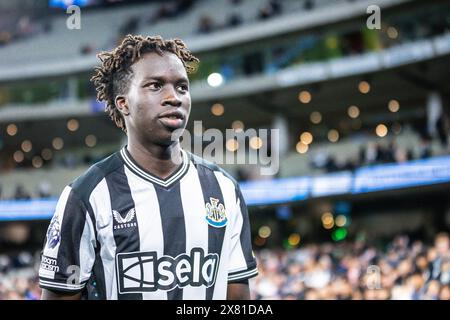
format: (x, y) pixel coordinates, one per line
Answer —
(183, 88)
(154, 86)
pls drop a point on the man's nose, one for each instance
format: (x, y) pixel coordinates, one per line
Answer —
(171, 98)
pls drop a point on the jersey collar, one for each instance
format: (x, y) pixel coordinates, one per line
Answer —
(141, 172)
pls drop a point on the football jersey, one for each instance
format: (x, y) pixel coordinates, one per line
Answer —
(119, 232)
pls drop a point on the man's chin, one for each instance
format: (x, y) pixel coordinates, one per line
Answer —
(171, 138)
(163, 136)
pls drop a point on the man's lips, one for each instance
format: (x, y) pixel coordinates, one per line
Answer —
(173, 119)
(172, 114)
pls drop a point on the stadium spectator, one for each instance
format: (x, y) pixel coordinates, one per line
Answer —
(234, 20)
(443, 129)
(184, 5)
(5, 37)
(21, 193)
(264, 13)
(87, 49)
(276, 6)
(308, 5)
(205, 24)
(270, 9)
(445, 293)
(171, 10)
(235, 2)
(44, 189)
(130, 26)
(425, 147)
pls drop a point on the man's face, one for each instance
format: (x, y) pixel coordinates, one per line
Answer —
(442, 245)
(158, 100)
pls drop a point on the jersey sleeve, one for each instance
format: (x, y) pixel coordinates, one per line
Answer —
(242, 260)
(69, 253)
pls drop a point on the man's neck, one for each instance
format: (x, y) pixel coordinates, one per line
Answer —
(161, 161)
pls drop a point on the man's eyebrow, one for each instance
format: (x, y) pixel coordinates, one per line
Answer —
(164, 79)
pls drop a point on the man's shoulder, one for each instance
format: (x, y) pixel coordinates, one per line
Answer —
(211, 167)
(86, 183)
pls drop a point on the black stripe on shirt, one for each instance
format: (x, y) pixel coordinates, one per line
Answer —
(72, 226)
(246, 238)
(83, 186)
(211, 189)
(173, 227)
(126, 231)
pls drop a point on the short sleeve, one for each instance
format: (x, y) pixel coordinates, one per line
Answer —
(69, 253)
(242, 260)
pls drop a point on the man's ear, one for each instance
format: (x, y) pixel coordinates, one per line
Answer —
(122, 105)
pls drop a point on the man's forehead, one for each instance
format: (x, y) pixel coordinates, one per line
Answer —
(154, 65)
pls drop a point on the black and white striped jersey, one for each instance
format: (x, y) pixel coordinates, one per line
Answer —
(119, 232)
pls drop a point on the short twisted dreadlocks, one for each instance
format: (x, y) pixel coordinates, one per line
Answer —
(114, 75)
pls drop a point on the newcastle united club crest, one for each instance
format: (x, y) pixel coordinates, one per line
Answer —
(215, 213)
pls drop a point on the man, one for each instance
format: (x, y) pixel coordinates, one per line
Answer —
(151, 221)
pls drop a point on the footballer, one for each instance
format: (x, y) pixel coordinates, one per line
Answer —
(151, 221)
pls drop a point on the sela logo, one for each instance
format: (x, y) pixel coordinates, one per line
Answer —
(144, 272)
(215, 213)
(124, 222)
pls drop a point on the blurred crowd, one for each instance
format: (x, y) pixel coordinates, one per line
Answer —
(20, 28)
(267, 9)
(370, 154)
(18, 276)
(43, 190)
(172, 10)
(401, 270)
(24, 26)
